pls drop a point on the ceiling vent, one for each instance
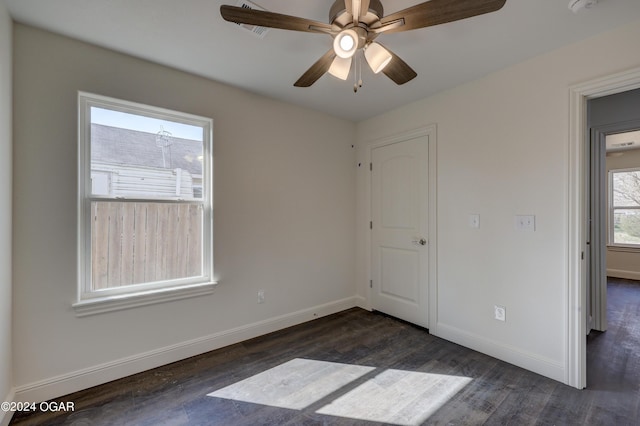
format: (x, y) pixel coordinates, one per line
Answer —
(256, 30)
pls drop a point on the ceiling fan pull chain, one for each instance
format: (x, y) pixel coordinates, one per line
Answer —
(355, 74)
(359, 71)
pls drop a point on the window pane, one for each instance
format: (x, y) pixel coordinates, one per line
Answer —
(135, 243)
(626, 226)
(626, 189)
(138, 156)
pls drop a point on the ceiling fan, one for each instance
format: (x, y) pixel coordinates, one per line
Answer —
(356, 24)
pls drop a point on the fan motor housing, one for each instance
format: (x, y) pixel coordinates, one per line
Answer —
(339, 15)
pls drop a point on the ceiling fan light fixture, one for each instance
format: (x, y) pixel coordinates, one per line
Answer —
(354, 24)
(377, 57)
(346, 43)
(340, 67)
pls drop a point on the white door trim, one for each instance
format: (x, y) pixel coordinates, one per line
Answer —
(576, 345)
(430, 132)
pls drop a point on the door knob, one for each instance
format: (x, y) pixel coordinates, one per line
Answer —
(420, 241)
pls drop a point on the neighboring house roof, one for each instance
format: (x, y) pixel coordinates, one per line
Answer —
(130, 147)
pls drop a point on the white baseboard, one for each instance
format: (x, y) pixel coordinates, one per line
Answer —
(5, 416)
(529, 361)
(82, 379)
(619, 273)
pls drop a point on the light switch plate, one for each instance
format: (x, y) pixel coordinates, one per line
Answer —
(474, 221)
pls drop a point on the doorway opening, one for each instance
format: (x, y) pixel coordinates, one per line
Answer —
(614, 200)
(579, 226)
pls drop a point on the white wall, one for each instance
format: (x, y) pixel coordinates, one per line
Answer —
(284, 215)
(6, 382)
(620, 263)
(502, 151)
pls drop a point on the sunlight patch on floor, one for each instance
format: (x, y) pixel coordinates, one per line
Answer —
(296, 384)
(397, 397)
(393, 396)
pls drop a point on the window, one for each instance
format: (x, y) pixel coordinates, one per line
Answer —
(145, 205)
(624, 207)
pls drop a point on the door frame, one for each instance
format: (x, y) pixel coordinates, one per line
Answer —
(430, 133)
(597, 282)
(579, 135)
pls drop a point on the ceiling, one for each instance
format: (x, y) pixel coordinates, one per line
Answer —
(190, 35)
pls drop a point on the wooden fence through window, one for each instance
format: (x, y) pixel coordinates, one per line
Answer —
(134, 243)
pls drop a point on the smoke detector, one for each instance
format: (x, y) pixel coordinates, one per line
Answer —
(577, 5)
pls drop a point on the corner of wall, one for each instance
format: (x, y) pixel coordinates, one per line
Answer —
(6, 194)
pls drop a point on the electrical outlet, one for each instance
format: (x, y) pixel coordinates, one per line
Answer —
(499, 313)
(526, 222)
(261, 296)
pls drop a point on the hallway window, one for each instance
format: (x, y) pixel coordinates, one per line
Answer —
(624, 207)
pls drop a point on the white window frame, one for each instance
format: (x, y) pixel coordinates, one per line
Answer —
(90, 301)
(611, 213)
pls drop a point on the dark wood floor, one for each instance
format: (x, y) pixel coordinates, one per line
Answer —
(499, 394)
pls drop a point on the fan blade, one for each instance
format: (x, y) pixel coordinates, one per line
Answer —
(437, 12)
(241, 15)
(398, 70)
(317, 70)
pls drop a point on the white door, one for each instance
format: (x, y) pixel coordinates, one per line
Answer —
(400, 237)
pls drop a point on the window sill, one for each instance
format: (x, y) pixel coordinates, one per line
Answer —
(629, 249)
(132, 300)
